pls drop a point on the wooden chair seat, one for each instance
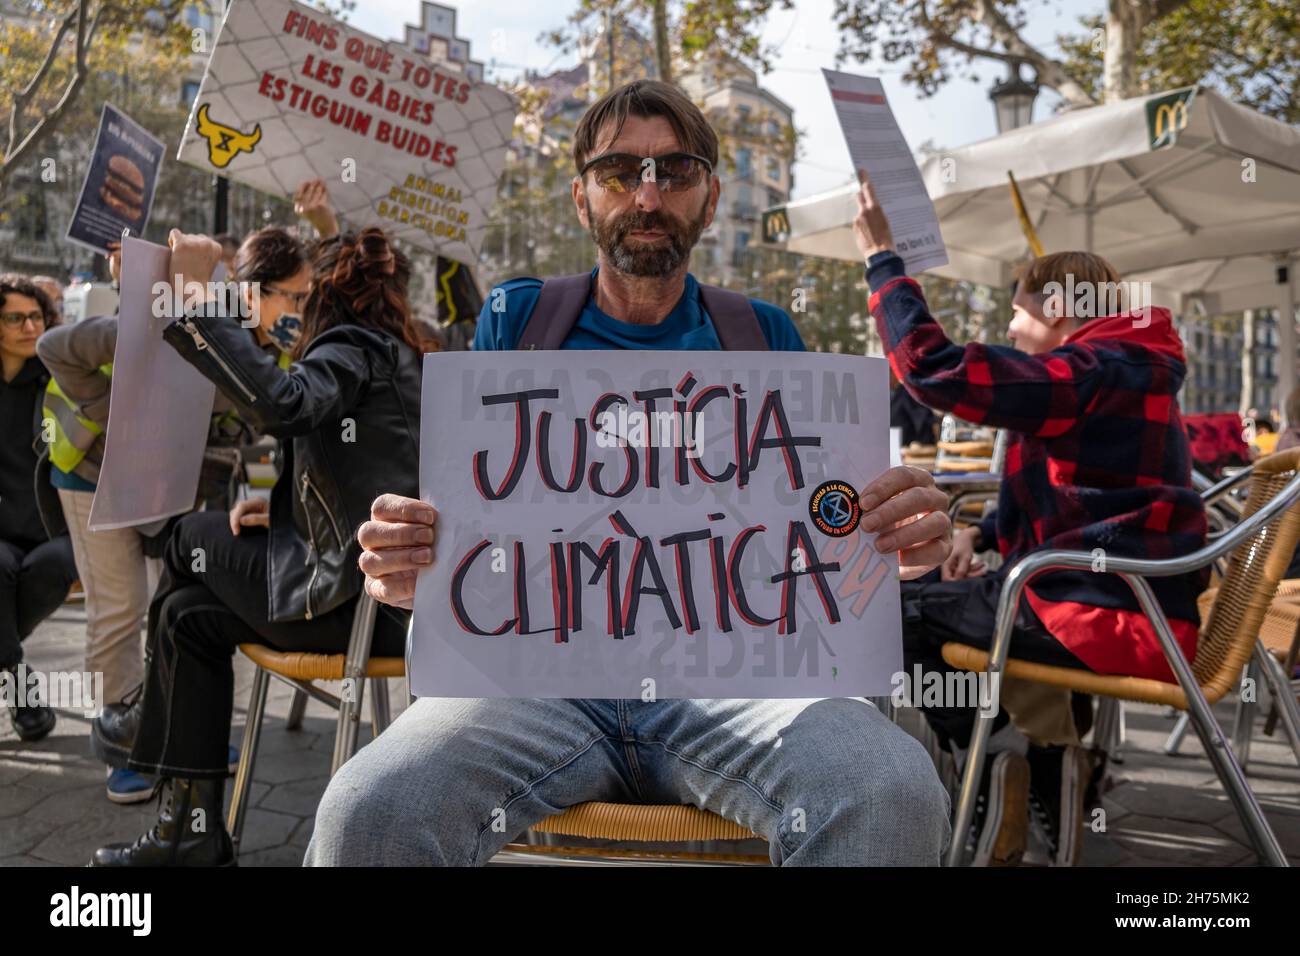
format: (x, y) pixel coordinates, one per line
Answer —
(642, 823)
(968, 449)
(307, 666)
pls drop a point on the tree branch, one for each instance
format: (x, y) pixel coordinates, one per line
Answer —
(1050, 72)
(24, 96)
(85, 34)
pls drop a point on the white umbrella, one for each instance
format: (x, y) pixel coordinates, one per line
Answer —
(1186, 190)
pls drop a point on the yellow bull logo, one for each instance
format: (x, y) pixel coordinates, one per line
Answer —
(225, 142)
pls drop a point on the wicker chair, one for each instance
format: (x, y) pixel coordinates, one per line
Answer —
(1261, 546)
(649, 833)
(301, 670)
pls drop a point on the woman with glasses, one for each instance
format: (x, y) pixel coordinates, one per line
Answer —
(36, 568)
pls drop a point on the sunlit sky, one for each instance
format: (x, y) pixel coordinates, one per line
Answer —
(807, 40)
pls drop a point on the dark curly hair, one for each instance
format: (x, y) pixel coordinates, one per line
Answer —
(269, 255)
(359, 279)
(13, 284)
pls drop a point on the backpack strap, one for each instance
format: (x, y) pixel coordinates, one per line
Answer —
(563, 298)
(734, 320)
(558, 306)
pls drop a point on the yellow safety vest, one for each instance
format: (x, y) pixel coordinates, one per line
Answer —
(74, 433)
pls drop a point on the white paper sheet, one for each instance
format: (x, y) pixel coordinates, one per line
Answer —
(845, 635)
(159, 410)
(876, 144)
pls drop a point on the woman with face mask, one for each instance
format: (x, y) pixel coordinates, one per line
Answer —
(347, 413)
(119, 568)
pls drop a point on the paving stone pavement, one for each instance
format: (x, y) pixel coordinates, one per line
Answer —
(1162, 810)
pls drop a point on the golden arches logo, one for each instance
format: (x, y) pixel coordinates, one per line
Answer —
(1173, 116)
(224, 142)
(775, 224)
(1167, 116)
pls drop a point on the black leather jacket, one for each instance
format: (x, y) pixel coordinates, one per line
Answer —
(348, 416)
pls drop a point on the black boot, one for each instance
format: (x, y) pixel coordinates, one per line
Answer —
(113, 732)
(32, 722)
(190, 831)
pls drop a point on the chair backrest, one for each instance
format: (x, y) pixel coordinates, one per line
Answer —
(1228, 634)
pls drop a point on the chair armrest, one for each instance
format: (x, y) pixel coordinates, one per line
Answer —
(1133, 570)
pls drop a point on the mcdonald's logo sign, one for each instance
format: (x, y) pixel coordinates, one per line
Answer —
(776, 225)
(1167, 116)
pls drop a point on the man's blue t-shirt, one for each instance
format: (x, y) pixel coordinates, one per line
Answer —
(686, 327)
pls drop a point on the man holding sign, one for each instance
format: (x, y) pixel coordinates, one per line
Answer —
(827, 781)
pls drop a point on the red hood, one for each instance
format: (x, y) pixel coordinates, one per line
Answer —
(1152, 328)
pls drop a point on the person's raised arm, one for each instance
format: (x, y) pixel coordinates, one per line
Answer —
(994, 385)
(318, 388)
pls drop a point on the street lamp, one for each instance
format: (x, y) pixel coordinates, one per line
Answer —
(1013, 101)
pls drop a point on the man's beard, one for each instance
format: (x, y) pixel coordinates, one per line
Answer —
(655, 259)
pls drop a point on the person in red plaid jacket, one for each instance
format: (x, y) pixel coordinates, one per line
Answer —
(1098, 460)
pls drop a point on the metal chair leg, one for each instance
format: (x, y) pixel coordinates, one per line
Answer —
(297, 708)
(380, 713)
(1177, 734)
(1243, 724)
(354, 681)
(345, 736)
(1207, 728)
(247, 757)
(1284, 698)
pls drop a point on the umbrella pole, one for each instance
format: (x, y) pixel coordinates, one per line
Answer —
(1286, 334)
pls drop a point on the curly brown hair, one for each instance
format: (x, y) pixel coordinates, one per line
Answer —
(13, 284)
(359, 279)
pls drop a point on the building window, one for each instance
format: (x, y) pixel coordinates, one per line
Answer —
(773, 168)
(738, 250)
(189, 90)
(744, 163)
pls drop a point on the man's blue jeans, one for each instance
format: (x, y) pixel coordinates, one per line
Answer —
(826, 782)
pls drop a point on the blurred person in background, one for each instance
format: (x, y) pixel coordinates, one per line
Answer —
(53, 289)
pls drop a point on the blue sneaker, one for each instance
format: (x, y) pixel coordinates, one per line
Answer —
(232, 760)
(128, 786)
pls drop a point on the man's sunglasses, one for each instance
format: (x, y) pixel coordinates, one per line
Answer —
(624, 173)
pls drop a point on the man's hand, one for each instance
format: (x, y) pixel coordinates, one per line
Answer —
(194, 258)
(962, 563)
(311, 200)
(250, 513)
(397, 542)
(911, 517)
(871, 226)
(115, 261)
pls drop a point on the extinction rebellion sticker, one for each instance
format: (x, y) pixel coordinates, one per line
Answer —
(834, 508)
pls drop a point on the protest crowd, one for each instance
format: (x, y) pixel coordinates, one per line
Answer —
(309, 339)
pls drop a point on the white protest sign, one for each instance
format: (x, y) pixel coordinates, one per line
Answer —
(159, 408)
(877, 145)
(653, 525)
(413, 146)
